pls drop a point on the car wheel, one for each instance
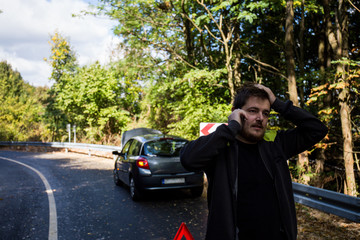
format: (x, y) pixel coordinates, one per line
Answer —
(117, 180)
(134, 191)
(197, 191)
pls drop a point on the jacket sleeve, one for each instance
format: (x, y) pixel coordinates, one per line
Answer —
(199, 154)
(308, 131)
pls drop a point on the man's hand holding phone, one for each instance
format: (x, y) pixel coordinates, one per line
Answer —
(238, 115)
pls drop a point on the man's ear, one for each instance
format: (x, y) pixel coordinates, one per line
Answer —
(233, 108)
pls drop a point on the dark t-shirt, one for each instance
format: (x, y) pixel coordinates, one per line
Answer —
(257, 210)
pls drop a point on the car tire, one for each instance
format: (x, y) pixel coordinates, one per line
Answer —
(117, 180)
(135, 193)
(196, 191)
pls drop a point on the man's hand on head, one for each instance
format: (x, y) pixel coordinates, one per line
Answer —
(272, 97)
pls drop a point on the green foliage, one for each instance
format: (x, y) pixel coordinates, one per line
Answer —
(251, 9)
(98, 100)
(178, 106)
(62, 58)
(63, 62)
(21, 109)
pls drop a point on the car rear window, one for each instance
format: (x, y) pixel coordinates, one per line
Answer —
(164, 147)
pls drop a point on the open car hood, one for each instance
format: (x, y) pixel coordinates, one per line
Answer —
(136, 132)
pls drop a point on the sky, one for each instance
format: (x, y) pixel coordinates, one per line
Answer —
(26, 26)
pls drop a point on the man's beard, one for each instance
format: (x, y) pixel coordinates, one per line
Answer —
(250, 137)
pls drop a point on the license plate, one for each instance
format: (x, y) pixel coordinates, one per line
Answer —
(173, 180)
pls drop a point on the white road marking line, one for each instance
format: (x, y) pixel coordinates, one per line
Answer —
(53, 231)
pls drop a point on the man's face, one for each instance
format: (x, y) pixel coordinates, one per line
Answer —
(254, 125)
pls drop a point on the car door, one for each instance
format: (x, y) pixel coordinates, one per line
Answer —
(122, 163)
(133, 154)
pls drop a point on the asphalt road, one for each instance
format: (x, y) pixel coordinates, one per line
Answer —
(87, 203)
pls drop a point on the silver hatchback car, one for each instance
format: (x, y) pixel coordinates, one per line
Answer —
(152, 162)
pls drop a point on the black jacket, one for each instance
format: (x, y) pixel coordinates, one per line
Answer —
(217, 155)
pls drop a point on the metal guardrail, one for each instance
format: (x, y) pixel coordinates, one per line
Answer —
(324, 200)
(328, 201)
(66, 145)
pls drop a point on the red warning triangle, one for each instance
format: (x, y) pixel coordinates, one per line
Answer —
(183, 232)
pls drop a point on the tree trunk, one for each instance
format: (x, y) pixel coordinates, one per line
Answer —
(289, 52)
(189, 41)
(237, 57)
(323, 54)
(302, 53)
(338, 40)
(231, 81)
(345, 109)
(303, 160)
(230, 70)
(348, 143)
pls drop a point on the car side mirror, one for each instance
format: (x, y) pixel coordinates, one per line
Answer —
(116, 153)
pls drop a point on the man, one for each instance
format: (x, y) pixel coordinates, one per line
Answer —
(250, 189)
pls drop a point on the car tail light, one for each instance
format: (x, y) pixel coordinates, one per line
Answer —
(142, 163)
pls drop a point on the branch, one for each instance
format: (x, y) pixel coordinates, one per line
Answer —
(193, 23)
(353, 6)
(262, 63)
(234, 43)
(275, 70)
(201, 36)
(165, 46)
(171, 50)
(212, 18)
(216, 38)
(184, 14)
(275, 73)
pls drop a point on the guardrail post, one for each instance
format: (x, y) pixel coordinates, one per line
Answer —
(89, 153)
(68, 128)
(74, 128)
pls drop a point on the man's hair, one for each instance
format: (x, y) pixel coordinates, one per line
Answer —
(246, 91)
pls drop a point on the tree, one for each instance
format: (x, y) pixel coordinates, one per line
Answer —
(303, 160)
(21, 107)
(62, 61)
(180, 105)
(97, 100)
(198, 34)
(337, 35)
(340, 88)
